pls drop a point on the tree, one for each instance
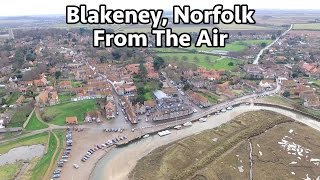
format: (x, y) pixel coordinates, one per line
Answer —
(273, 37)
(263, 44)
(141, 90)
(158, 62)
(187, 86)
(230, 64)
(142, 70)
(286, 94)
(184, 58)
(57, 74)
(160, 85)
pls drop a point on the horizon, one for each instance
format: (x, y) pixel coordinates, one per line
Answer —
(49, 7)
(166, 10)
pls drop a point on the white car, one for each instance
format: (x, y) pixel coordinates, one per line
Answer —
(76, 166)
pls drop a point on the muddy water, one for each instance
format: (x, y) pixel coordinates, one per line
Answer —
(117, 164)
(22, 153)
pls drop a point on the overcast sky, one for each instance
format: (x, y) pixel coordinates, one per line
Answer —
(41, 7)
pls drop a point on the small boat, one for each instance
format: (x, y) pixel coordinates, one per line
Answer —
(203, 119)
(177, 127)
(187, 124)
(164, 133)
(146, 136)
(229, 108)
(223, 110)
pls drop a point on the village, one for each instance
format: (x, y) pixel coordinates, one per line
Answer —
(52, 79)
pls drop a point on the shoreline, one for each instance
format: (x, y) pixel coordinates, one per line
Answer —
(142, 154)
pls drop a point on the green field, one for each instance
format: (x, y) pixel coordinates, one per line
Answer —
(65, 97)
(10, 170)
(57, 114)
(13, 98)
(193, 28)
(26, 141)
(202, 60)
(35, 124)
(309, 26)
(236, 46)
(212, 98)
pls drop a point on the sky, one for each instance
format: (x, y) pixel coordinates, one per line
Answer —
(46, 7)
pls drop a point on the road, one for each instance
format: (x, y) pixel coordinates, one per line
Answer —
(258, 57)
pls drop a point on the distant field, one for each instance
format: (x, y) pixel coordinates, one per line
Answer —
(236, 46)
(202, 60)
(57, 114)
(201, 157)
(310, 26)
(193, 28)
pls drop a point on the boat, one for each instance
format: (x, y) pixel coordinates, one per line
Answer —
(203, 119)
(164, 133)
(223, 110)
(178, 127)
(146, 136)
(187, 124)
(229, 108)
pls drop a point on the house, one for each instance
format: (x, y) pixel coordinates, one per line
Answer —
(267, 83)
(131, 115)
(42, 98)
(311, 100)
(20, 100)
(53, 98)
(72, 120)
(150, 104)
(140, 108)
(92, 116)
(40, 82)
(110, 109)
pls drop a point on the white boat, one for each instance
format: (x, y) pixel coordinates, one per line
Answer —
(187, 124)
(164, 133)
(177, 127)
(229, 108)
(223, 110)
(203, 119)
(146, 136)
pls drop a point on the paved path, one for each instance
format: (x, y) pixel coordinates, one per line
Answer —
(258, 57)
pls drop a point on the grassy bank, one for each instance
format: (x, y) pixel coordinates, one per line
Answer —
(25, 141)
(35, 124)
(57, 114)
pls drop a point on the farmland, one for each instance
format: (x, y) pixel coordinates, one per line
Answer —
(308, 26)
(223, 152)
(236, 46)
(57, 114)
(202, 60)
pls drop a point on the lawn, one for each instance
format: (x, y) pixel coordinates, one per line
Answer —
(202, 60)
(41, 138)
(35, 124)
(76, 84)
(65, 97)
(20, 116)
(13, 98)
(236, 46)
(8, 171)
(57, 114)
(308, 26)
